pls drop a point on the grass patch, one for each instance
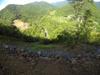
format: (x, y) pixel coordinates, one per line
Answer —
(43, 47)
(31, 46)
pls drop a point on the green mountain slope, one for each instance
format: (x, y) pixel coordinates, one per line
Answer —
(41, 20)
(31, 11)
(65, 10)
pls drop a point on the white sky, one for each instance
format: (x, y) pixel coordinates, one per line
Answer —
(97, 0)
(28, 1)
(4, 3)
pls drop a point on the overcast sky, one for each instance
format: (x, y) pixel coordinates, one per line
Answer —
(4, 3)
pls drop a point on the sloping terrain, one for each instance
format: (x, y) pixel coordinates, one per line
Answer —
(28, 12)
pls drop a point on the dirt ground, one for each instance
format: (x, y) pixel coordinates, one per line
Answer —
(17, 64)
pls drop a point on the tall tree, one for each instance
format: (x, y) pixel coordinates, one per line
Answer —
(83, 16)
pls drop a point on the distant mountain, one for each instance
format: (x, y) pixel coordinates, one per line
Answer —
(34, 11)
(31, 11)
(98, 4)
(63, 3)
(65, 10)
(60, 4)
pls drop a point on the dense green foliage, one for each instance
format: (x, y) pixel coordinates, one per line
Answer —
(62, 24)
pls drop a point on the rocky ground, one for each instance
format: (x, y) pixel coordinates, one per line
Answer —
(21, 61)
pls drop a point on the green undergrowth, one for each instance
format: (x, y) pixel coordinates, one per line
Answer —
(32, 45)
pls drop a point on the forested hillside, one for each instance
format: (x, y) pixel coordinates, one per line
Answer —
(29, 12)
(46, 21)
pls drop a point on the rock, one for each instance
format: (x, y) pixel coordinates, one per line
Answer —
(98, 56)
(6, 46)
(73, 61)
(39, 53)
